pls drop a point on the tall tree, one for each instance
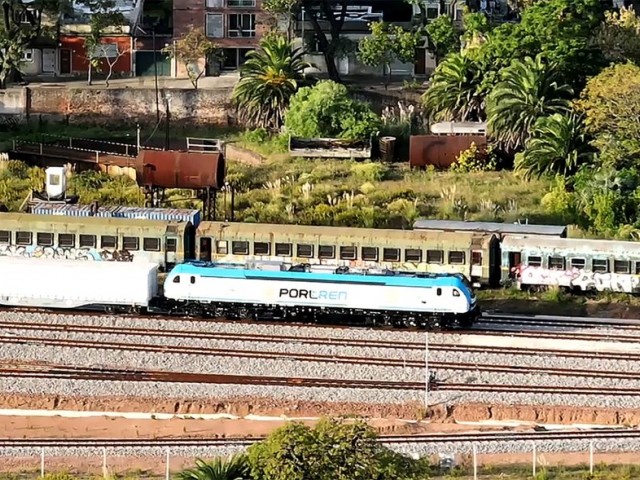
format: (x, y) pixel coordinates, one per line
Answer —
(528, 89)
(454, 91)
(443, 36)
(386, 44)
(284, 12)
(190, 49)
(557, 146)
(268, 80)
(104, 16)
(21, 24)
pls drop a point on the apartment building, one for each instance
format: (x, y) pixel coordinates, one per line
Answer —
(234, 25)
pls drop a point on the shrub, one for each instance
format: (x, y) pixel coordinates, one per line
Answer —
(369, 172)
(474, 160)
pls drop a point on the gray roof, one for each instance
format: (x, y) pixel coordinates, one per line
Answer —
(491, 227)
(569, 246)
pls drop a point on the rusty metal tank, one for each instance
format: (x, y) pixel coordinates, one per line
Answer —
(180, 169)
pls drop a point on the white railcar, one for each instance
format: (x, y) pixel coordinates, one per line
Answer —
(75, 284)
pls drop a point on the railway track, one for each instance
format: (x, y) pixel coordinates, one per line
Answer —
(442, 439)
(80, 373)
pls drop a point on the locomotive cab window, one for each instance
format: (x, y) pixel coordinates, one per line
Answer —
(23, 238)
(456, 258)
(304, 251)
(556, 263)
(412, 255)
(391, 254)
(534, 261)
(370, 254)
(261, 248)
(130, 243)
(578, 263)
(87, 241)
(44, 239)
(435, 256)
(284, 249)
(222, 248)
(600, 265)
(327, 251)
(108, 241)
(622, 266)
(151, 244)
(348, 253)
(5, 236)
(240, 248)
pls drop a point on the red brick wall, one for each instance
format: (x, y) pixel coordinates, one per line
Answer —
(79, 61)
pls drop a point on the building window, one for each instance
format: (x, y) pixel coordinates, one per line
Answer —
(215, 3)
(241, 3)
(215, 25)
(27, 55)
(241, 25)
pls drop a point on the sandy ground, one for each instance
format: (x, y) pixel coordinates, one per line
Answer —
(385, 419)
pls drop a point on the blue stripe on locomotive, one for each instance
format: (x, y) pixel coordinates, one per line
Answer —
(220, 271)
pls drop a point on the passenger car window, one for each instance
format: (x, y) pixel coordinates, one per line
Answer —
(348, 253)
(456, 258)
(87, 241)
(304, 251)
(23, 238)
(130, 243)
(5, 236)
(151, 244)
(108, 241)
(44, 239)
(326, 251)
(435, 256)
(172, 245)
(284, 249)
(239, 248)
(476, 258)
(222, 248)
(534, 261)
(412, 255)
(370, 254)
(391, 254)
(66, 240)
(599, 265)
(578, 263)
(261, 248)
(556, 263)
(622, 266)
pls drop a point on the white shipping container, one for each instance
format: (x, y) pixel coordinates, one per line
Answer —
(73, 283)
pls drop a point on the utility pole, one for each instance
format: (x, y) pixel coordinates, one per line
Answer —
(155, 69)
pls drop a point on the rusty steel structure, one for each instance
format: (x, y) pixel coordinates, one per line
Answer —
(199, 166)
(441, 151)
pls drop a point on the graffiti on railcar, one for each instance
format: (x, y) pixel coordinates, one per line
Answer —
(578, 278)
(66, 253)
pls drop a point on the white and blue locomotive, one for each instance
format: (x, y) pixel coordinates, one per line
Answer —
(304, 292)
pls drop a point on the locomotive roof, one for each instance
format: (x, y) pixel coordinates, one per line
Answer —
(569, 246)
(493, 227)
(240, 271)
(296, 233)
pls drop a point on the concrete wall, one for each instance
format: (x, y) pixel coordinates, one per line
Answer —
(13, 101)
(101, 105)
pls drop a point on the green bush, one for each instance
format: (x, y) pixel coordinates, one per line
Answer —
(474, 160)
(369, 171)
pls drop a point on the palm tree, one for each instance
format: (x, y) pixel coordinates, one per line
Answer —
(454, 90)
(232, 468)
(268, 79)
(557, 145)
(529, 89)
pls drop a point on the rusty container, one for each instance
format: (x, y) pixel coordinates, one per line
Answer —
(387, 148)
(180, 169)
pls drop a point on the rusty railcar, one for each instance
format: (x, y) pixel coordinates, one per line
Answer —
(475, 255)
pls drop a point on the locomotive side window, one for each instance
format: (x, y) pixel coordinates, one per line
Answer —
(172, 245)
(23, 238)
(599, 265)
(44, 239)
(261, 248)
(222, 248)
(87, 241)
(348, 253)
(391, 254)
(327, 251)
(556, 263)
(435, 256)
(456, 258)
(67, 240)
(304, 251)
(193, 279)
(412, 255)
(622, 266)
(108, 241)
(130, 243)
(438, 291)
(151, 244)
(578, 263)
(240, 248)
(284, 249)
(370, 254)
(5, 236)
(534, 261)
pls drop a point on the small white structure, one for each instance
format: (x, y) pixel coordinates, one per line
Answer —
(47, 283)
(56, 182)
(457, 128)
